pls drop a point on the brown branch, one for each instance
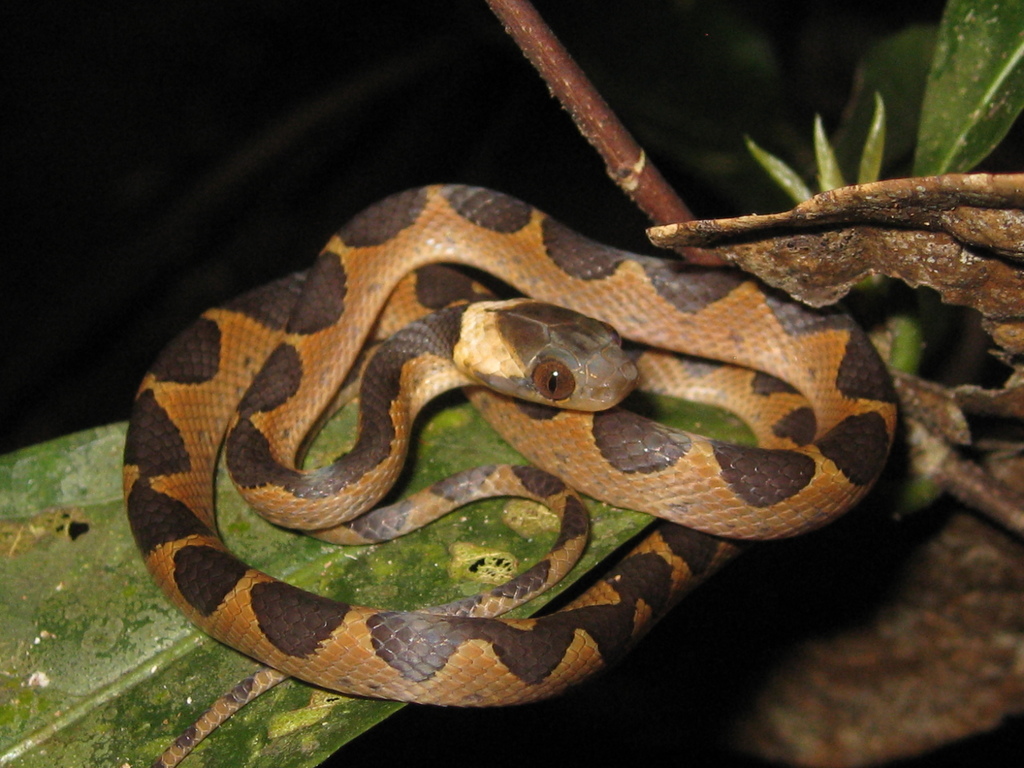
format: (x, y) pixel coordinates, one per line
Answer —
(625, 161)
(979, 490)
(937, 427)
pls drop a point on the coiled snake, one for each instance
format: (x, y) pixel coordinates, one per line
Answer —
(269, 363)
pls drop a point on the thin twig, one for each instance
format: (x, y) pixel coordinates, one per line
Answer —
(626, 162)
(976, 488)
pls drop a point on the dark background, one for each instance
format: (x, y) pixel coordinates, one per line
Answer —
(160, 158)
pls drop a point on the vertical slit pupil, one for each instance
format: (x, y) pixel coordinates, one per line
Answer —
(553, 380)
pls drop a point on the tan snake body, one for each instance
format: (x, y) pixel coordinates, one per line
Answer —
(298, 338)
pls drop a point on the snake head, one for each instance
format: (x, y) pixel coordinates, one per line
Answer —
(545, 354)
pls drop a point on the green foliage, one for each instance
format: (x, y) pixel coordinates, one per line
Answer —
(830, 175)
(99, 669)
(975, 87)
(895, 68)
(780, 172)
(969, 96)
(874, 145)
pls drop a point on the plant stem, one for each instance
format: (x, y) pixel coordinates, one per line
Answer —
(625, 161)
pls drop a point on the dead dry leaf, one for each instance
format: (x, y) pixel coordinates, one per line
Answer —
(961, 234)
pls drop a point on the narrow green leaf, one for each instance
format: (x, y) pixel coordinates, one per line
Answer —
(874, 145)
(976, 86)
(907, 343)
(896, 67)
(829, 175)
(100, 670)
(780, 172)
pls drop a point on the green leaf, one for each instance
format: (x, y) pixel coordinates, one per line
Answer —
(896, 69)
(780, 172)
(874, 145)
(829, 175)
(976, 86)
(907, 343)
(100, 670)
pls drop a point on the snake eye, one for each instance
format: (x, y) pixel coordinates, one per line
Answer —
(553, 379)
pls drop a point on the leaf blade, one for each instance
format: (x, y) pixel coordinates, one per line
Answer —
(874, 145)
(975, 87)
(829, 175)
(127, 672)
(780, 172)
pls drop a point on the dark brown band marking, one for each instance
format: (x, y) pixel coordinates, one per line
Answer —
(187, 739)
(323, 296)
(415, 645)
(632, 443)
(577, 255)
(528, 582)
(278, 380)
(156, 518)
(438, 286)
(696, 549)
(575, 521)
(251, 462)
(698, 368)
(690, 289)
(799, 425)
(457, 487)
(488, 209)
(153, 426)
(270, 304)
(763, 477)
(531, 656)
(862, 374)
(382, 221)
(294, 620)
(645, 577)
(537, 411)
(384, 523)
(798, 320)
(765, 385)
(537, 481)
(859, 446)
(193, 357)
(243, 691)
(205, 576)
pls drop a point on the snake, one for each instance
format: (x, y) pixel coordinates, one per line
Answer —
(253, 377)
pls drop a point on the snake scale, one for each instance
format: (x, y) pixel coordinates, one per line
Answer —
(262, 369)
